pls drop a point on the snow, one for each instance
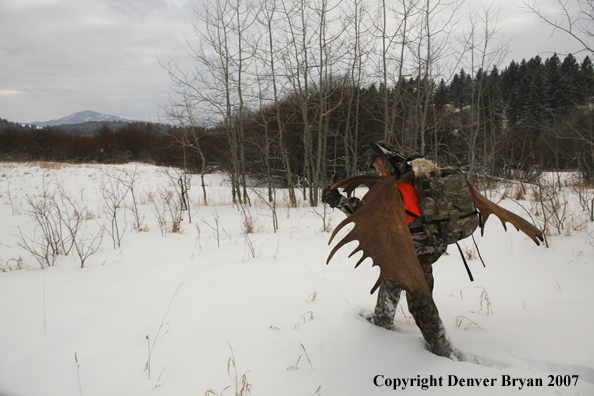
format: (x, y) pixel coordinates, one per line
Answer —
(266, 305)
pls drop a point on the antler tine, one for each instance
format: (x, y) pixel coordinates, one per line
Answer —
(338, 228)
(353, 182)
(343, 242)
(363, 257)
(487, 208)
(380, 280)
(340, 244)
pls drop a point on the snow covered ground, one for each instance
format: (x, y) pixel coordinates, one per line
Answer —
(265, 308)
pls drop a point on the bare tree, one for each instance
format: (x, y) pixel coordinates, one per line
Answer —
(315, 47)
(485, 52)
(114, 193)
(357, 53)
(128, 180)
(174, 196)
(577, 24)
(215, 89)
(58, 220)
(298, 69)
(263, 120)
(182, 112)
(394, 30)
(86, 247)
(284, 84)
(268, 19)
(45, 247)
(433, 53)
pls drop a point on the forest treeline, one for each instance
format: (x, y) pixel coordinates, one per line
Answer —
(290, 92)
(534, 115)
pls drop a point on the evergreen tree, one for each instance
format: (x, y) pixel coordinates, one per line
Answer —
(570, 78)
(554, 84)
(510, 79)
(460, 89)
(442, 94)
(586, 81)
(536, 106)
(496, 101)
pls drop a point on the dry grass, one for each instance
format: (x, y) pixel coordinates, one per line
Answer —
(463, 320)
(304, 318)
(296, 365)
(312, 297)
(519, 193)
(50, 165)
(251, 223)
(470, 253)
(484, 299)
(13, 264)
(147, 366)
(77, 373)
(240, 383)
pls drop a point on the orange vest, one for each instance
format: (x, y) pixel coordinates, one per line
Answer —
(411, 200)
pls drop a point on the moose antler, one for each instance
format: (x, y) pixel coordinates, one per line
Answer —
(487, 208)
(380, 228)
(383, 235)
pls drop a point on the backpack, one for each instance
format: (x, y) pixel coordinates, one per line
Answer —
(447, 209)
(448, 213)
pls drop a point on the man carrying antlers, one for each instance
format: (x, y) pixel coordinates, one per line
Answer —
(386, 161)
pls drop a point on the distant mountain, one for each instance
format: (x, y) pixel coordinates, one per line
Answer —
(81, 117)
(87, 127)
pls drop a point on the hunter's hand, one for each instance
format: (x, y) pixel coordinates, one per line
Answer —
(331, 197)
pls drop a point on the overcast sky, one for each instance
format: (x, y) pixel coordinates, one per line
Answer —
(59, 57)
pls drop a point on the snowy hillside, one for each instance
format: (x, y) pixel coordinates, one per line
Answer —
(79, 118)
(212, 308)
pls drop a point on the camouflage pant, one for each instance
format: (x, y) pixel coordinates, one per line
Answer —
(426, 315)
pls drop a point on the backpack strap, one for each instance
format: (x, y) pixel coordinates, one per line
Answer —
(411, 214)
(464, 259)
(416, 230)
(465, 263)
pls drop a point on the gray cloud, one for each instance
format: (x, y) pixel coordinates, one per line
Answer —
(531, 36)
(58, 57)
